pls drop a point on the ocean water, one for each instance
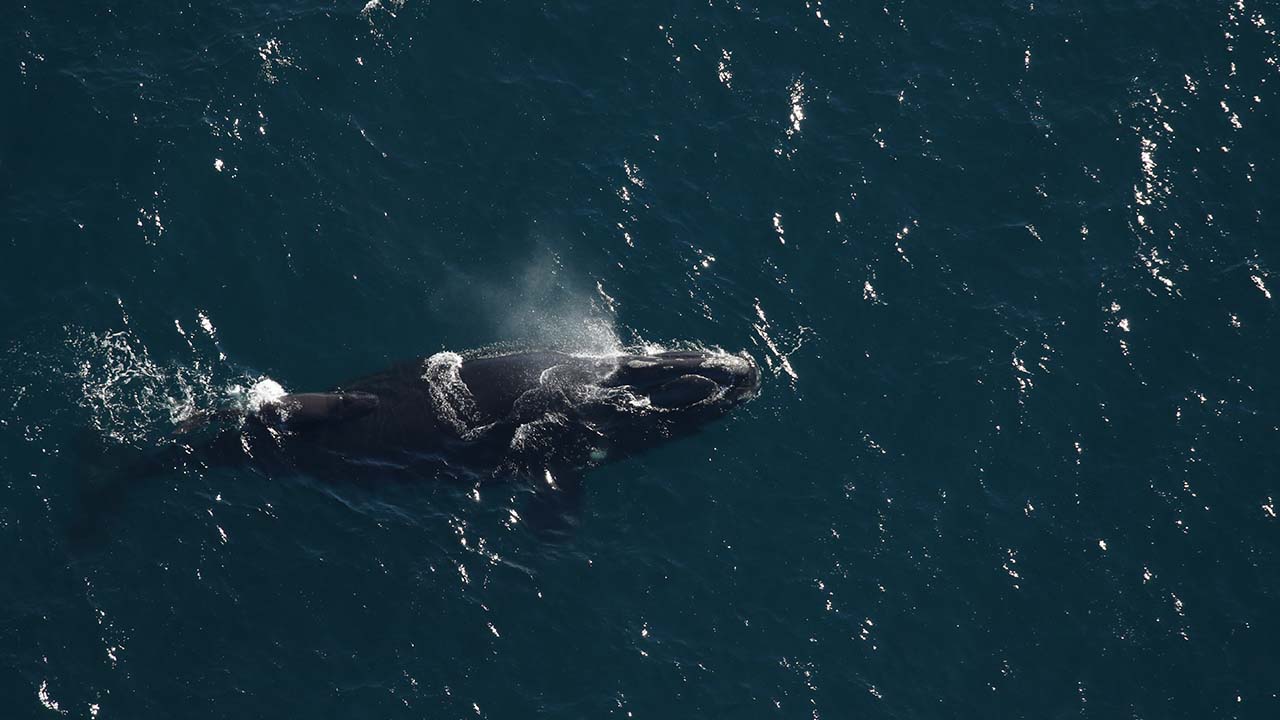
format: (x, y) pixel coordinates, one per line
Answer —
(1009, 268)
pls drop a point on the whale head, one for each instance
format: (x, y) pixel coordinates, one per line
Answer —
(685, 380)
(579, 410)
(643, 399)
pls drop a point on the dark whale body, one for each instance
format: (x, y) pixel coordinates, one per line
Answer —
(541, 416)
(487, 416)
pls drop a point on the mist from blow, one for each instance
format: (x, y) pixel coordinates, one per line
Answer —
(547, 307)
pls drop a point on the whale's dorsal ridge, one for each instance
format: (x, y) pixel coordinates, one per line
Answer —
(309, 409)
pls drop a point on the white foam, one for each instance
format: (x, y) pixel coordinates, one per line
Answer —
(264, 391)
(131, 396)
(451, 397)
(127, 392)
(529, 435)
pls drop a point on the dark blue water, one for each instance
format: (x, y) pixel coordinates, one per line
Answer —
(1009, 266)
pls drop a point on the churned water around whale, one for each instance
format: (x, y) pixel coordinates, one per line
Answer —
(1009, 271)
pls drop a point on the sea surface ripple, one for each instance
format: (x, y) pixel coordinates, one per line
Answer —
(1010, 268)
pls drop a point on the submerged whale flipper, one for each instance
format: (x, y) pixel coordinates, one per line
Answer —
(554, 510)
(205, 418)
(109, 473)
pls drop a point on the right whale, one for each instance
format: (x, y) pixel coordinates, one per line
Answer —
(485, 416)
